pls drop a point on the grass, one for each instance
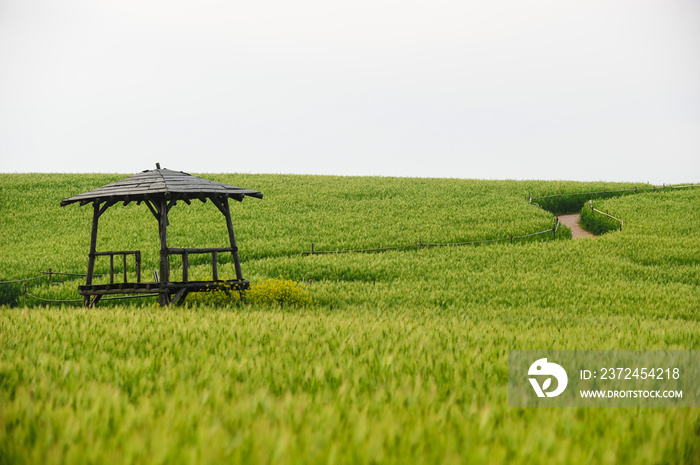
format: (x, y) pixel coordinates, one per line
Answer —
(332, 212)
(402, 356)
(262, 385)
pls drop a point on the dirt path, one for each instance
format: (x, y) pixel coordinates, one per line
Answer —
(572, 222)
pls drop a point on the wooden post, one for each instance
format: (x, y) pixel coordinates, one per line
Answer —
(111, 269)
(511, 238)
(50, 277)
(138, 267)
(124, 264)
(93, 249)
(232, 238)
(164, 265)
(312, 249)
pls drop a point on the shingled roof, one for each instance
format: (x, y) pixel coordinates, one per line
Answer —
(159, 183)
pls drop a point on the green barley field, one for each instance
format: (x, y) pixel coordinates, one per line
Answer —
(395, 357)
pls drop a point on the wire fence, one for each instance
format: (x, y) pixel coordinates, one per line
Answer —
(23, 280)
(606, 214)
(24, 294)
(420, 244)
(47, 274)
(604, 192)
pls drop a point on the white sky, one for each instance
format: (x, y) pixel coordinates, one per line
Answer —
(581, 90)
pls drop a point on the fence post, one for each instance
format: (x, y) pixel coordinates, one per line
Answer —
(24, 296)
(49, 277)
(554, 231)
(312, 248)
(591, 202)
(511, 238)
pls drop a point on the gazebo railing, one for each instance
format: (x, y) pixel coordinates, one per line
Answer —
(214, 251)
(123, 253)
(184, 252)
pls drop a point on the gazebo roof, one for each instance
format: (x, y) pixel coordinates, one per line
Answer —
(161, 183)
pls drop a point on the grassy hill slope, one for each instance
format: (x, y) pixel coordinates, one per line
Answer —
(403, 356)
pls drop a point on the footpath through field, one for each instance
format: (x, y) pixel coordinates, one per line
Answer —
(572, 221)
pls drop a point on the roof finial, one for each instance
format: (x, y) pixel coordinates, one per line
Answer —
(157, 166)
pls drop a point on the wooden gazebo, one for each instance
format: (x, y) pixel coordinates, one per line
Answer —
(160, 190)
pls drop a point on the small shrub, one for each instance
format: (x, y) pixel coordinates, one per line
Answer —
(280, 291)
(597, 223)
(564, 232)
(272, 291)
(565, 204)
(216, 298)
(10, 294)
